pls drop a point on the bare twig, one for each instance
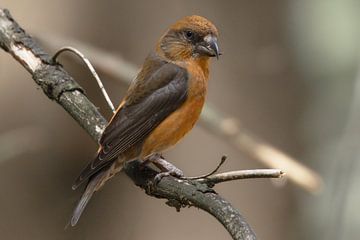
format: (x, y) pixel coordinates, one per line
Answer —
(211, 118)
(211, 178)
(58, 85)
(222, 161)
(92, 70)
(241, 174)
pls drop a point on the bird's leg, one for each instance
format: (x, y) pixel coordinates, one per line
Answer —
(166, 168)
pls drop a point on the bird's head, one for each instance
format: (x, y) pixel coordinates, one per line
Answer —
(191, 37)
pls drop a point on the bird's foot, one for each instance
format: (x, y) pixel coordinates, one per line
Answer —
(174, 172)
(167, 169)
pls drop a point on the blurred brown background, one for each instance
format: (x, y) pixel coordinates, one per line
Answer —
(289, 73)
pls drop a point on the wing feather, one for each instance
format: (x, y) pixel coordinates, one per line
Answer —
(151, 98)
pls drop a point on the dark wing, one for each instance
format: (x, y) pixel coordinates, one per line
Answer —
(149, 101)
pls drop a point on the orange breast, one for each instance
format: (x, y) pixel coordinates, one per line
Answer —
(180, 122)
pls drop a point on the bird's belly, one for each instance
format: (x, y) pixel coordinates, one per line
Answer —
(174, 127)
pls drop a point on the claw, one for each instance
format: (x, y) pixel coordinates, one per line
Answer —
(158, 177)
(167, 169)
(177, 173)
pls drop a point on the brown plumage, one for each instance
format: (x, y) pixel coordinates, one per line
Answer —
(161, 105)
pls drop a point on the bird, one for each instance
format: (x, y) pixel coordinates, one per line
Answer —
(162, 104)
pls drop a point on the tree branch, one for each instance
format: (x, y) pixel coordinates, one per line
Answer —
(181, 193)
(58, 85)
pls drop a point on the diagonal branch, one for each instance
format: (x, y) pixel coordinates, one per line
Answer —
(58, 85)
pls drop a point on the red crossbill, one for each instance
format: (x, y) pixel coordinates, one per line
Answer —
(161, 105)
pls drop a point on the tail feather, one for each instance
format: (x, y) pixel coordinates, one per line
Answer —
(87, 172)
(91, 187)
(96, 181)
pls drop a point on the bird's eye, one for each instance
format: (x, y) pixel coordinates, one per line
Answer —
(189, 34)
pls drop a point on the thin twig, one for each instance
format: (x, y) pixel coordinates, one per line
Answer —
(242, 174)
(212, 119)
(92, 70)
(222, 161)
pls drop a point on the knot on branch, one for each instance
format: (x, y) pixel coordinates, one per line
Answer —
(54, 81)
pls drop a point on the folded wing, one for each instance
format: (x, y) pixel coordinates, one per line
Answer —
(152, 97)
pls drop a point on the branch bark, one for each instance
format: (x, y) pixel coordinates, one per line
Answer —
(58, 85)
